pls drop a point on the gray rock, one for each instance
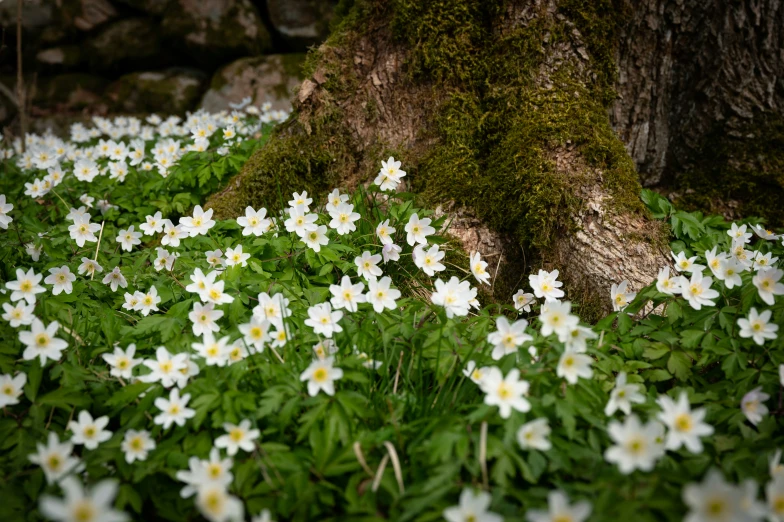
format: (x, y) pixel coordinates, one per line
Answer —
(69, 91)
(154, 7)
(270, 78)
(301, 23)
(175, 90)
(214, 31)
(89, 14)
(59, 58)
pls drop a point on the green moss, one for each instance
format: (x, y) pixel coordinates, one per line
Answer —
(748, 171)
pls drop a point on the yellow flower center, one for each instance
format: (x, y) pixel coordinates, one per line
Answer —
(236, 434)
(83, 511)
(42, 340)
(320, 375)
(504, 391)
(54, 462)
(683, 422)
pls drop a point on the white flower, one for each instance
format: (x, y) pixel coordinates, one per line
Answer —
(136, 445)
(774, 492)
(391, 252)
(172, 234)
(11, 388)
(55, 458)
(149, 301)
(576, 338)
(300, 221)
(473, 372)
(623, 395)
(204, 317)
(165, 259)
(546, 285)
(523, 301)
(764, 260)
(200, 223)
(201, 283)
(505, 392)
(235, 256)
(5, 208)
(94, 505)
(321, 375)
(238, 437)
(153, 224)
(334, 199)
(122, 361)
(214, 351)
(34, 251)
(534, 435)
(713, 501)
(620, 297)
(637, 446)
(40, 342)
(685, 426)
(698, 291)
(89, 266)
(684, 264)
(479, 268)
(173, 410)
(380, 295)
(132, 300)
(418, 229)
(115, 279)
(214, 257)
(347, 295)
(316, 238)
(729, 271)
(89, 431)
(572, 366)
(555, 318)
(714, 260)
(508, 337)
(26, 286)
(166, 368)
(740, 254)
(764, 233)
(203, 472)
(82, 230)
(384, 232)
(272, 308)
(301, 200)
(367, 265)
(473, 507)
(256, 332)
(215, 294)
(254, 221)
(767, 282)
(758, 326)
(390, 175)
(343, 218)
(428, 260)
(455, 296)
(19, 313)
(324, 348)
(738, 233)
(559, 510)
(752, 405)
(217, 505)
(85, 170)
(324, 320)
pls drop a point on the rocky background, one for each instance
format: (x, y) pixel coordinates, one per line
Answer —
(85, 57)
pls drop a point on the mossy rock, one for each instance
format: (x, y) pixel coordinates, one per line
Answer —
(273, 78)
(69, 91)
(132, 43)
(210, 33)
(171, 91)
(61, 58)
(301, 23)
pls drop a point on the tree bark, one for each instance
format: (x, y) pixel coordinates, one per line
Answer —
(701, 88)
(499, 111)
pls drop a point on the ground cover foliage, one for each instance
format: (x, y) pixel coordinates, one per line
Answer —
(327, 360)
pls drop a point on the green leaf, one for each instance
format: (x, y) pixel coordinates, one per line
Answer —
(679, 364)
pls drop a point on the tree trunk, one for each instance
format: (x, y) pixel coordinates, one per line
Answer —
(505, 114)
(700, 101)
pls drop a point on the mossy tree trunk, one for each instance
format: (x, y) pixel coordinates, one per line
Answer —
(500, 111)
